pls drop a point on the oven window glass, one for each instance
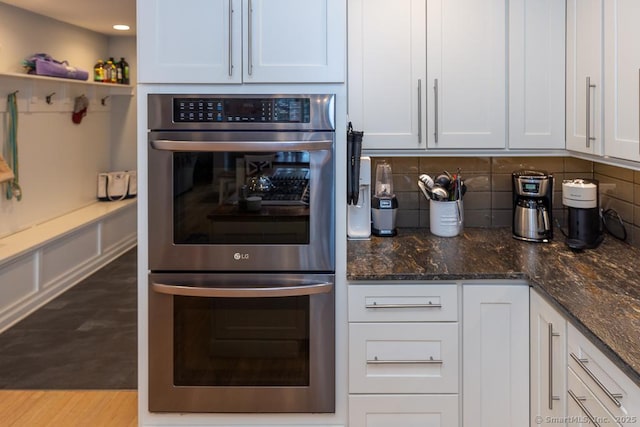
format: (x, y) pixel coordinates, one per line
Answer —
(241, 198)
(241, 341)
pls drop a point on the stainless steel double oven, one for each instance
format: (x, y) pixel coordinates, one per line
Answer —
(241, 252)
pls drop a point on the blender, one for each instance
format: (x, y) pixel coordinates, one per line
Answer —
(384, 205)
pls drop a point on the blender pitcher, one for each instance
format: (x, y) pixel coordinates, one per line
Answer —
(384, 205)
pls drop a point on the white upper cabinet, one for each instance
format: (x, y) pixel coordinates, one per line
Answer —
(622, 74)
(387, 72)
(295, 41)
(584, 75)
(536, 74)
(466, 73)
(194, 42)
(235, 41)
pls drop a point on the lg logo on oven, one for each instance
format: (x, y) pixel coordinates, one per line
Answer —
(239, 257)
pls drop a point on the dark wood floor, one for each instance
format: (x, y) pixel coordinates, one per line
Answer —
(84, 339)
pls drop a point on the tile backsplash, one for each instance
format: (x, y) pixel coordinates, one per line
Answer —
(488, 201)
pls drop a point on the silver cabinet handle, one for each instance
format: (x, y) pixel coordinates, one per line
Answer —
(639, 109)
(578, 401)
(248, 292)
(613, 397)
(588, 136)
(375, 305)
(249, 35)
(435, 109)
(419, 111)
(551, 396)
(230, 38)
(430, 361)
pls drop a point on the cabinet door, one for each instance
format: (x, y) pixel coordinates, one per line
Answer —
(495, 365)
(198, 43)
(295, 41)
(548, 362)
(387, 72)
(403, 357)
(403, 410)
(622, 73)
(536, 74)
(466, 73)
(584, 76)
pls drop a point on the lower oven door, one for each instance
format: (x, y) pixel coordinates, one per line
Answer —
(241, 343)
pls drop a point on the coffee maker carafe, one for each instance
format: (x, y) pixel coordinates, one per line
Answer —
(580, 196)
(532, 205)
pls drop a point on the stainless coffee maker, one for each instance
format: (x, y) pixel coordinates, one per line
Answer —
(532, 205)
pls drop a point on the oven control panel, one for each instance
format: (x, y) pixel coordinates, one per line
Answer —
(242, 110)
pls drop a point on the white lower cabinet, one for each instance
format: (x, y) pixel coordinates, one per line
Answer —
(572, 382)
(403, 358)
(397, 410)
(598, 390)
(495, 361)
(404, 354)
(548, 361)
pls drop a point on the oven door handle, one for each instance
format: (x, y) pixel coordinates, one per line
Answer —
(249, 146)
(280, 291)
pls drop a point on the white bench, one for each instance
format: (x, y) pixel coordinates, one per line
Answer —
(41, 262)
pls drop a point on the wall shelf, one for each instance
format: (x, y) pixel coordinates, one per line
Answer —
(54, 94)
(114, 89)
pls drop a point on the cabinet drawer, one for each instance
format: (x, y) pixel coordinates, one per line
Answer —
(583, 407)
(618, 394)
(403, 358)
(403, 303)
(403, 411)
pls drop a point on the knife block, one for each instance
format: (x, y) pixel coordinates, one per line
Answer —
(359, 216)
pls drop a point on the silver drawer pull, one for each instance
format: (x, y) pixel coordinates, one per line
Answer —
(429, 305)
(430, 361)
(579, 401)
(614, 397)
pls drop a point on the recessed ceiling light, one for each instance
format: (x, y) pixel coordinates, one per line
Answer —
(121, 27)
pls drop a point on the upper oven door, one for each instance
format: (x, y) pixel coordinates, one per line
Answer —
(241, 201)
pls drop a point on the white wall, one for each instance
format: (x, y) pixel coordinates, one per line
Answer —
(58, 159)
(123, 109)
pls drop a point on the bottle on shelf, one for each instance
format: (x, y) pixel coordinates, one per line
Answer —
(98, 71)
(119, 73)
(125, 71)
(111, 74)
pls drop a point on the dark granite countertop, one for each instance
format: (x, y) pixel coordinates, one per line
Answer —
(598, 290)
